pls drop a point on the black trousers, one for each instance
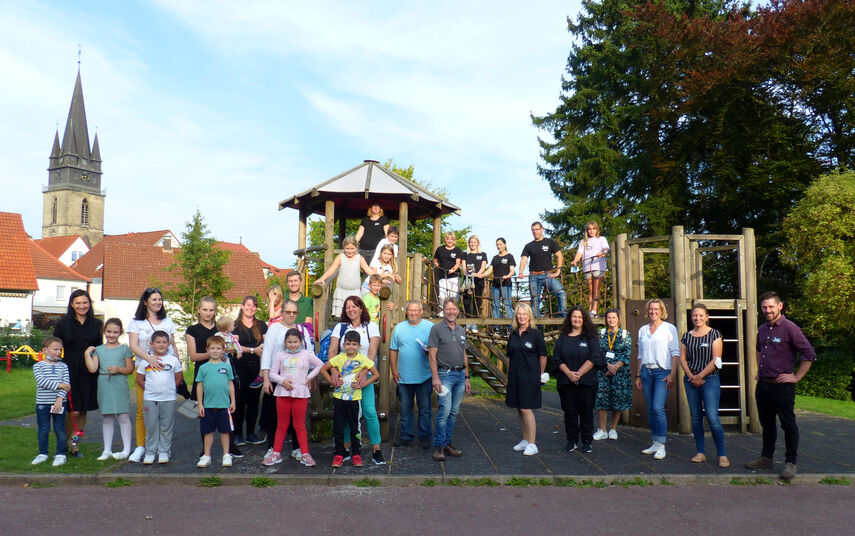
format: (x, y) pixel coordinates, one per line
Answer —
(577, 401)
(246, 399)
(473, 298)
(345, 411)
(778, 400)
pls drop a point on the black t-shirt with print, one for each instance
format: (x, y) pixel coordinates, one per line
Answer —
(502, 267)
(474, 261)
(447, 258)
(374, 232)
(540, 253)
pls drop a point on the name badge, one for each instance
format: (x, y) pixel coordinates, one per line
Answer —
(610, 355)
(776, 339)
(705, 345)
(528, 345)
(463, 340)
(583, 345)
(222, 370)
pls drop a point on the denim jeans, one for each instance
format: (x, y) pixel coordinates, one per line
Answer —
(449, 406)
(498, 295)
(536, 283)
(655, 394)
(421, 392)
(704, 399)
(368, 408)
(43, 419)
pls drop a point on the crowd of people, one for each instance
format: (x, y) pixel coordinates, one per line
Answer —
(242, 365)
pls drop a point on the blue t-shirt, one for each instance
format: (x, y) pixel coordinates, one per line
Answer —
(214, 378)
(411, 343)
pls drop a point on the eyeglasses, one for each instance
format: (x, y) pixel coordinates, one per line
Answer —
(290, 312)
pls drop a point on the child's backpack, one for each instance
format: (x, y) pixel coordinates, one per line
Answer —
(323, 352)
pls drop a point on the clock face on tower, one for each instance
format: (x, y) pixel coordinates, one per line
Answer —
(84, 177)
(56, 175)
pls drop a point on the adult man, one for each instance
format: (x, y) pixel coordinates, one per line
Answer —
(541, 272)
(449, 370)
(305, 306)
(411, 370)
(778, 342)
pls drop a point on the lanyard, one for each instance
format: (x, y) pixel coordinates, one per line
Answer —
(611, 339)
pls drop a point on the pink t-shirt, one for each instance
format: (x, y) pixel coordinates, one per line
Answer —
(295, 367)
(589, 250)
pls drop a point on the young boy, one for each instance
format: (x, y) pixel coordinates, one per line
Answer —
(159, 390)
(52, 387)
(225, 326)
(371, 299)
(216, 394)
(391, 238)
(345, 397)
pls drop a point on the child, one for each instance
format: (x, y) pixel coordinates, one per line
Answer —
(52, 387)
(593, 250)
(390, 240)
(345, 397)
(348, 282)
(216, 390)
(159, 390)
(384, 266)
(371, 299)
(225, 326)
(275, 297)
(113, 361)
(290, 373)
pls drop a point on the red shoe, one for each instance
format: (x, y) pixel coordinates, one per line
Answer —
(357, 460)
(337, 460)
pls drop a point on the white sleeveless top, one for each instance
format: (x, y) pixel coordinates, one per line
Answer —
(348, 272)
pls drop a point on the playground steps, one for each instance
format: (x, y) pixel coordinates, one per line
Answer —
(483, 366)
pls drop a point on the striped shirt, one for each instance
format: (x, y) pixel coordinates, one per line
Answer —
(699, 350)
(48, 376)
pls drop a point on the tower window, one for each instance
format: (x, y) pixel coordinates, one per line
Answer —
(84, 212)
(53, 212)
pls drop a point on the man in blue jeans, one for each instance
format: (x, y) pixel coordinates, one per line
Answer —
(450, 372)
(541, 273)
(408, 362)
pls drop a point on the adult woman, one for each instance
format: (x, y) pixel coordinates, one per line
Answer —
(250, 332)
(355, 317)
(78, 330)
(150, 316)
(526, 365)
(502, 267)
(614, 391)
(372, 229)
(592, 251)
(475, 267)
(700, 357)
(577, 353)
(658, 351)
(447, 260)
(348, 282)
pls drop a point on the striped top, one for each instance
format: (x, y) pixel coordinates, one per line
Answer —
(699, 350)
(48, 375)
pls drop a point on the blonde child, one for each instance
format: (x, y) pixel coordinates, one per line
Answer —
(52, 387)
(216, 390)
(290, 373)
(159, 384)
(225, 326)
(113, 361)
(346, 397)
(593, 250)
(275, 298)
(348, 282)
(383, 266)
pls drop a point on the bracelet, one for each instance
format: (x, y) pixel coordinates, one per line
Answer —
(638, 375)
(466, 377)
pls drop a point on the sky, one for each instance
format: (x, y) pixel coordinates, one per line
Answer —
(231, 107)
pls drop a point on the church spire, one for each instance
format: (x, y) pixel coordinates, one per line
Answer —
(54, 152)
(75, 140)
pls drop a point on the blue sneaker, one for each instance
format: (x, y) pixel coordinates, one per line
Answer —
(257, 383)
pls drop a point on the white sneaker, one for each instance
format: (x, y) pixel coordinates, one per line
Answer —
(660, 452)
(296, 454)
(163, 458)
(530, 450)
(204, 461)
(58, 460)
(149, 459)
(268, 453)
(41, 458)
(106, 455)
(137, 455)
(612, 434)
(120, 455)
(227, 460)
(651, 449)
(600, 434)
(519, 447)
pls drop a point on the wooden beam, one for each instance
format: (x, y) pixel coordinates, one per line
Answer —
(749, 267)
(621, 266)
(403, 230)
(678, 292)
(655, 250)
(301, 229)
(713, 237)
(729, 247)
(437, 233)
(649, 239)
(329, 238)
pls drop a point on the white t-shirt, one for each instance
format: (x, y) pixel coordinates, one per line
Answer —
(365, 334)
(380, 245)
(145, 328)
(160, 384)
(274, 342)
(590, 249)
(381, 269)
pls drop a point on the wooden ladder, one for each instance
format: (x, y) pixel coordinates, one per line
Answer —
(484, 367)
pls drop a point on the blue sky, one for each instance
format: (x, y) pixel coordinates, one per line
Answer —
(231, 107)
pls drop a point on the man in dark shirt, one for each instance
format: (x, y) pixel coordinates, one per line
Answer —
(541, 272)
(779, 341)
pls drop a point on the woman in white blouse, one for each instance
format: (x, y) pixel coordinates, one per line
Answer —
(658, 355)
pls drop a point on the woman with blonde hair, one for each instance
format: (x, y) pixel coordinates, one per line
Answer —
(475, 268)
(447, 260)
(348, 283)
(592, 251)
(372, 229)
(526, 371)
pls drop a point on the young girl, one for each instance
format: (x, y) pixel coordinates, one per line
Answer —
(592, 251)
(348, 265)
(275, 297)
(384, 266)
(290, 373)
(113, 361)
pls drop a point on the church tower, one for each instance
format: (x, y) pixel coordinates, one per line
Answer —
(73, 199)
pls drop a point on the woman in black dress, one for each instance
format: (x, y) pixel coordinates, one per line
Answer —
(526, 365)
(78, 330)
(372, 229)
(576, 357)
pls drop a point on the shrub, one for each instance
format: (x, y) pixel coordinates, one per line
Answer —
(831, 375)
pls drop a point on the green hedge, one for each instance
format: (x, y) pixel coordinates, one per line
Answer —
(12, 341)
(831, 376)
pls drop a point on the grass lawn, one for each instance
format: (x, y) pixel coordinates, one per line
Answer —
(20, 446)
(838, 408)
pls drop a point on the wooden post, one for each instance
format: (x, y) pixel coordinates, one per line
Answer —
(696, 271)
(329, 239)
(403, 227)
(750, 273)
(301, 230)
(437, 232)
(342, 229)
(637, 275)
(678, 292)
(416, 277)
(620, 277)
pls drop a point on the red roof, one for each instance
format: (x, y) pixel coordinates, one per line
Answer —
(231, 246)
(16, 264)
(48, 267)
(90, 263)
(57, 245)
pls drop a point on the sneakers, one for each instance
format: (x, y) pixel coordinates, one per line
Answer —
(227, 460)
(269, 452)
(377, 458)
(239, 441)
(148, 460)
(253, 439)
(204, 461)
(600, 434)
(760, 463)
(612, 434)
(137, 455)
(257, 383)
(660, 452)
(307, 460)
(569, 447)
(651, 449)
(163, 458)
(519, 447)
(530, 450)
(788, 473)
(235, 452)
(272, 458)
(106, 455)
(41, 458)
(296, 454)
(586, 447)
(451, 451)
(356, 460)
(337, 460)
(438, 454)
(120, 455)
(59, 459)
